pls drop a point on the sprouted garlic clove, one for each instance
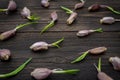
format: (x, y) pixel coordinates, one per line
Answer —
(45, 3)
(43, 73)
(83, 33)
(101, 75)
(98, 50)
(5, 54)
(115, 61)
(44, 45)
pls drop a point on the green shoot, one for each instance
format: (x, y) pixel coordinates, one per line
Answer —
(114, 11)
(51, 24)
(3, 10)
(33, 18)
(72, 71)
(68, 11)
(22, 25)
(57, 43)
(99, 30)
(80, 58)
(99, 65)
(16, 71)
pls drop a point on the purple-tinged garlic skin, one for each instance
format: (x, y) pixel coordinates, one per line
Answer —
(107, 20)
(83, 33)
(54, 16)
(98, 50)
(5, 54)
(45, 3)
(115, 62)
(72, 17)
(7, 34)
(79, 5)
(12, 6)
(94, 7)
(103, 76)
(39, 46)
(25, 12)
(41, 73)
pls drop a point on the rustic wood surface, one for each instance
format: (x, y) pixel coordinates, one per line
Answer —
(70, 47)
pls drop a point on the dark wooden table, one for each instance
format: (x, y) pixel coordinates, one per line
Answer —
(70, 47)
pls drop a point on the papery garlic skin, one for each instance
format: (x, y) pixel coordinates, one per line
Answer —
(41, 73)
(5, 54)
(107, 20)
(79, 5)
(98, 50)
(39, 46)
(115, 62)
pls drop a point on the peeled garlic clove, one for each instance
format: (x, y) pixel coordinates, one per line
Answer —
(72, 17)
(115, 62)
(54, 16)
(107, 20)
(39, 46)
(25, 12)
(94, 7)
(103, 76)
(79, 5)
(12, 6)
(45, 3)
(5, 54)
(41, 73)
(83, 33)
(7, 34)
(98, 50)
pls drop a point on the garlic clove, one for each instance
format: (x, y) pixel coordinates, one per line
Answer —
(115, 62)
(41, 73)
(7, 34)
(5, 54)
(54, 16)
(25, 12)
(107, 20)
(72, 17)
(94, 7)
(98, 50)
(45, 3)
(39, 46)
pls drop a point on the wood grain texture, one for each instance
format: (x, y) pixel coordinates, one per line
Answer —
(71, 47)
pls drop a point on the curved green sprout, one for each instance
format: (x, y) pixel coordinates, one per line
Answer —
(99, 30)
(16, 71)
(80, 58)
(33, 18)
(51, 24)
(72, 71)
(23, 25)
(114, 11)
(68, 11)
(57, 43)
